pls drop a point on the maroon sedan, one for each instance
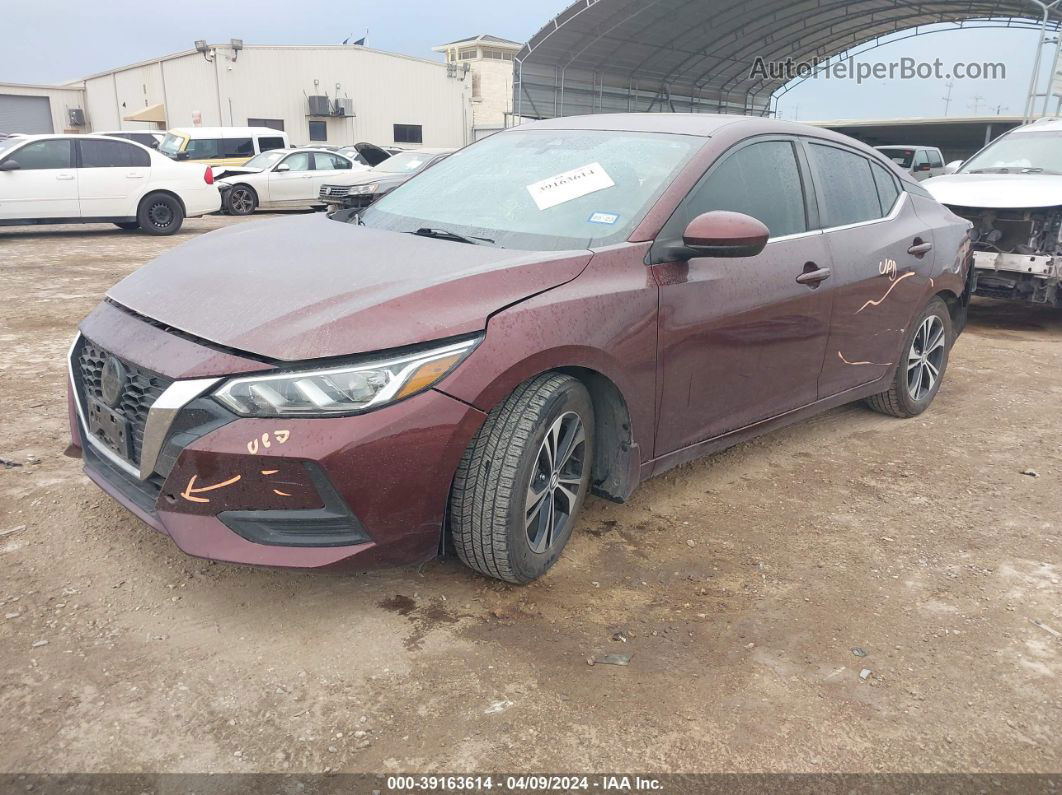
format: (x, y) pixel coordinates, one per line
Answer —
(566, 307)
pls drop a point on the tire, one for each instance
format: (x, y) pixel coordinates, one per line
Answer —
(241, 200)
(127, 225)
(507, 463)
(160, 214)
(914, 385)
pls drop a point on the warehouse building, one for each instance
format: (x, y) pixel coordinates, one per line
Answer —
(317, 94)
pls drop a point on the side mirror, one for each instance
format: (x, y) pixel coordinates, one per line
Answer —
(181, 156)
(10, 165)
(953, 166)
(721, 233)
(283, 167)
(922, 167)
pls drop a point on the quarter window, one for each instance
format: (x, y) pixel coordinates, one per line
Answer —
(41, 155)
(888, 192)
(112, 154)
(848, 189)
(761, 180)
(409, 134)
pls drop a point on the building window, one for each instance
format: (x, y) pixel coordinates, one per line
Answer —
(408, 134)
(273, 124)
(497, 55)
(318, 131)
(467, 54)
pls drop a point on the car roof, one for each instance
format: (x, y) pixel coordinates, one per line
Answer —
(906, 146)
(1040, 125)
(225, 132)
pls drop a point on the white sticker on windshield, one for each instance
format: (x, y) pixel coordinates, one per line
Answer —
(569, 185)
(603, 218)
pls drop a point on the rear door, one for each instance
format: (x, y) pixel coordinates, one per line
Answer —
(45, 183)
(327, 166)
(294, 184)
(112, 176)
(740, 339)
(871, 228)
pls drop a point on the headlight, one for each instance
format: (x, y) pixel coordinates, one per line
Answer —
(349, 389)
(361, 190)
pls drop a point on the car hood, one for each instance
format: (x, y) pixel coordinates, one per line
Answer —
(309, 287)
(996, 191)
(221, 172)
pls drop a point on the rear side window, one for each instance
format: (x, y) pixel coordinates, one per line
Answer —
(888, 191)
(323, 161)
(41, 155)
(237, 147)
(761, 180)
(266, 144)
(203, 148)
(112, 154)
(847, 186)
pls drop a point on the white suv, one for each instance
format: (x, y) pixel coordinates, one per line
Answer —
(59, 179)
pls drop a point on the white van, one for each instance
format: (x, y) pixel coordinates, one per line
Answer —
(221, 146)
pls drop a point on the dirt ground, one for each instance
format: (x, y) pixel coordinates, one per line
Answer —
(746, 587)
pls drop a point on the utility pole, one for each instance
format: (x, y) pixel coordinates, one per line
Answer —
(975, 104)
(947, 97)
(1001, 108)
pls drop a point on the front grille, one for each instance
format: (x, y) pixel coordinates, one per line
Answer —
(140, 390)
(334, 191)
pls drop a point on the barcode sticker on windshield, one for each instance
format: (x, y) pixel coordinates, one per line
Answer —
(569, 185)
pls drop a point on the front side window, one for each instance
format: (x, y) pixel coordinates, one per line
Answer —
(935, 160)
(409, 134)
(901, 157)
(761, 180)
(921, 158)
(204, 148)
(300, 161)
(112, 154)
(41, 155)
(318, 131)
(539, 189)
(846, 185)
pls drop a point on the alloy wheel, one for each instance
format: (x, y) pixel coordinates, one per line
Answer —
(556, 480)
(925, 358)
(241, 201)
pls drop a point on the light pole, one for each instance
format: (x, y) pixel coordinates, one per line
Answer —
(1030, 99)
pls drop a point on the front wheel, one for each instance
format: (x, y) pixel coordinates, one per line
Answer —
(160, 214)
(241, 200)
(522, 480)
(922, 365)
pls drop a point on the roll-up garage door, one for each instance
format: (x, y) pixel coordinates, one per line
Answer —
(19, 114)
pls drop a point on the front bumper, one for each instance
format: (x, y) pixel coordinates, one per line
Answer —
(356, 491)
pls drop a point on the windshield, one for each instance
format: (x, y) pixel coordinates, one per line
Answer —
(901, 157)
(7, 143)
(405, 163)
(540, 189)
(171, 144)
(1019, 152)
(265, 160)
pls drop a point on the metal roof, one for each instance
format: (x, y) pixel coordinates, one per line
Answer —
(696, 55)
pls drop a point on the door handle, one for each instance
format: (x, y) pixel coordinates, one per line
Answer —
(64, 176)
(813, 275)
(920, 248)
(134, 175)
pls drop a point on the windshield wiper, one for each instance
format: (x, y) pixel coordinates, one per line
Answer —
(446, 234)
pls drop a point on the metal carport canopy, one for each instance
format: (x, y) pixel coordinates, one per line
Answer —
(600, 56)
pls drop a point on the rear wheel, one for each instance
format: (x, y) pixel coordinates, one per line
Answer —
(921, 368)
(127, 225)
(241, 200)
(160, 214)
(522, 480)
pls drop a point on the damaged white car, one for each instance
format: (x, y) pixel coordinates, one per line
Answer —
(1012, 192)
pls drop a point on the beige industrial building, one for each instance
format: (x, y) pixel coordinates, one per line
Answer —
(328, 94)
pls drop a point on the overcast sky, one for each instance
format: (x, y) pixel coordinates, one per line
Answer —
(50, 41)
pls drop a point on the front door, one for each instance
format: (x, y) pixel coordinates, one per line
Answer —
(741, 340)
(293, 184)
(44, 185)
